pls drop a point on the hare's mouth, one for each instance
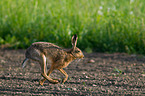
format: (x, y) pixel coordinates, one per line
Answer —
(82, 57)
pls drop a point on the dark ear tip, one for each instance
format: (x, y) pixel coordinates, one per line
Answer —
(75, 36)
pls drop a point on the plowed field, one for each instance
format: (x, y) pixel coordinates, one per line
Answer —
(97, 74)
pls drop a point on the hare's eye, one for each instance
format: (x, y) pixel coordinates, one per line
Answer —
(77, 51)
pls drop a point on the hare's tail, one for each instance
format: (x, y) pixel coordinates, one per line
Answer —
(24, 62)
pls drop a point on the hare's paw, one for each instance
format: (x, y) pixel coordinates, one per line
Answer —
(63, 80)
(49, 79)
(59, 80)
(54, 81)
(41, 82)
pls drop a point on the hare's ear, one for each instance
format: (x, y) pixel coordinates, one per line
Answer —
(74, 41)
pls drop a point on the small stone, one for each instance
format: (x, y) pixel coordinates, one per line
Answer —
(3, 61)
(94, 85)
(84, 73)
(74, 89)
(91, 61)
(143, 75)
(87, 77)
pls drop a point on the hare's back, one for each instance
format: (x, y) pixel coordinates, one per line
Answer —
(50, 50)
(42, 45)
(47, 48)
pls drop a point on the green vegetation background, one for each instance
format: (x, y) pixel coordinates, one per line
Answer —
(101, 25)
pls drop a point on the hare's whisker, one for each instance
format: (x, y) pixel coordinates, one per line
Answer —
(77, 61)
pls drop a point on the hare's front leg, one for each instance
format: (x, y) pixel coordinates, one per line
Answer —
(43, 67)
(66, 75)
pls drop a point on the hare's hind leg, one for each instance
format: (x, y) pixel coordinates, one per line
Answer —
(36, 55)
(48, 73)
(43, 67)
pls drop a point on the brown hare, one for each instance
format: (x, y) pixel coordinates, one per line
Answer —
(58, 57)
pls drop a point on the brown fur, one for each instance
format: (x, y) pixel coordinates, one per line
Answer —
(58, 57)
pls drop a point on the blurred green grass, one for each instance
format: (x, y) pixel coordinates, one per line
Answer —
(101, 25)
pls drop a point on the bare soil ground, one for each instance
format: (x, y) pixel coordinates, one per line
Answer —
(110, 74)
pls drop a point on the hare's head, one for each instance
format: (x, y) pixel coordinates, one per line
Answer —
(76, 52)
